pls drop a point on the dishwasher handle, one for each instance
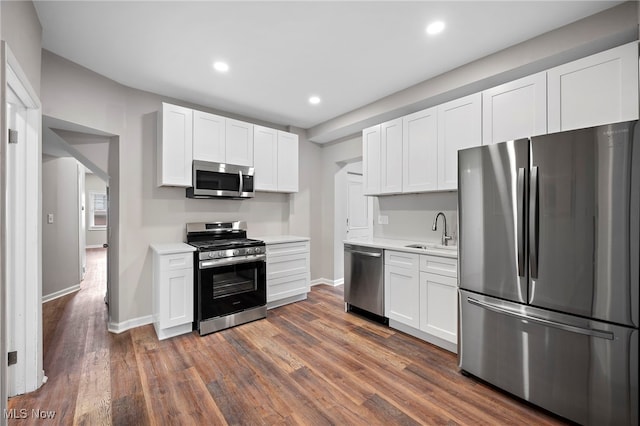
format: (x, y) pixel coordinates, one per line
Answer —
(363, 253)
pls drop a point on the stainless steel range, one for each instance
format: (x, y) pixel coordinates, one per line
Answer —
(230, 276)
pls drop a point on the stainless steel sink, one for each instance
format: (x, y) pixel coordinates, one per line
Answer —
(432, 247)
(417, 246)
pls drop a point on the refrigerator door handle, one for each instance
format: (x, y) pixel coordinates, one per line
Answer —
(545, 322)
(520, 212)
(533, 221)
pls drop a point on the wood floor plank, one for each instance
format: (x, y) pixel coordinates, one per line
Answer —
(307, 363)
(93, 404)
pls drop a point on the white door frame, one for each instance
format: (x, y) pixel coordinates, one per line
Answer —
(23, 326)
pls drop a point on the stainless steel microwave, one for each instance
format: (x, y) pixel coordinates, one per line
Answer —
(217, 180)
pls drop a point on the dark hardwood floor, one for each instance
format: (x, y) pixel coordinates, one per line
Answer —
(308, 363)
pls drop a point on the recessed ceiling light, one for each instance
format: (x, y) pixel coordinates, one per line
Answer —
(314, 100)
(435, 27)
(221, 66)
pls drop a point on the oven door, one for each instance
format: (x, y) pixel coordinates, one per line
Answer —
(227, 286)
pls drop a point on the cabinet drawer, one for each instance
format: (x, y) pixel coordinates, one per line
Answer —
(439, 265)
(283, 266)
(281, 288)
(401, 259)
(287, 248)
(172, 262)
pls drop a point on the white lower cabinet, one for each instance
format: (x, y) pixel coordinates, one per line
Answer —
(421, 296)
(401, 288)
(288, 272)
(172, 289)
(439, 297)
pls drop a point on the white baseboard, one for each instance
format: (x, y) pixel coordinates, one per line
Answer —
(120, 327)
(60, 293)
(327, 281)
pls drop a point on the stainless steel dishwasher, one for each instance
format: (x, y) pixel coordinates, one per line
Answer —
(364, 281)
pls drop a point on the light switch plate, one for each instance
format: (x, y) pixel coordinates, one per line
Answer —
(50, 218)
(383, 220)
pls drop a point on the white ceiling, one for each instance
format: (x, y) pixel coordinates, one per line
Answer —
(348, 53)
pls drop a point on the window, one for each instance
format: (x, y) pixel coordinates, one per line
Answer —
(97, 210)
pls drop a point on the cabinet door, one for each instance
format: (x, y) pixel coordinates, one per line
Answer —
(287, 162)
(439, 306)
(265, 148)
(420, 151)
(459, 127)
(176, 297)
(208, 137)
(239, 142)
(401, 295)
(515, 110)
(287, 286)
(391, 160)
(371, 160)
(175, 152)
(598, 89)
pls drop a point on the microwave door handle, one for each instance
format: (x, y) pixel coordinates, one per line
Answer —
(241, 183)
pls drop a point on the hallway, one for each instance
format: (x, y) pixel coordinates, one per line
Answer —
(75, 340)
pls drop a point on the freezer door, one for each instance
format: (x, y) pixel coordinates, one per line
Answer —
(584, 223)
(584, 370)
(492, 201)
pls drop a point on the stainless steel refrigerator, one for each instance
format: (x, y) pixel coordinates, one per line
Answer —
(549, 270)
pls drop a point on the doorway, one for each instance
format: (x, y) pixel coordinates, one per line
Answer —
(358, 212)
(21, 230)
(353, 216)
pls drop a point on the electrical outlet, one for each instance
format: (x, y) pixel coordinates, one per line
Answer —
(50, 218)
(383, 220)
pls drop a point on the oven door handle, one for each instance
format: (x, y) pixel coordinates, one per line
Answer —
(206, 264)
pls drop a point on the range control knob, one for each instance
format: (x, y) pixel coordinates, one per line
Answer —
(236, 252)
(211, 255)
(249, 250)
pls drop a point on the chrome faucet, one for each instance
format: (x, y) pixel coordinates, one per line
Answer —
(445, 237)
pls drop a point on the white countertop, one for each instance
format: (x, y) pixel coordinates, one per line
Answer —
(172, 248)
(400, 245)
(276, 239)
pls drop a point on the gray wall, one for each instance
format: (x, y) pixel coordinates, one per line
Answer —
(148, 214)
(411, 216)
(22, 31)
(94, 237)
(60, 239)
(334, 158)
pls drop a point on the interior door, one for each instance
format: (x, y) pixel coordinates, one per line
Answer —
(584, 232)
(491, 209)
(357, 208)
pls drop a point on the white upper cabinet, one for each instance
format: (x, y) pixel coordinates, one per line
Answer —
(276, 160)
(459, 127)
(391, 157)
(208, 137)
(420, 151)
(515, 110)
(598, 89)
(265, 149)
(371, 160)
(175, 133)
(287, 162)
(239, 142)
